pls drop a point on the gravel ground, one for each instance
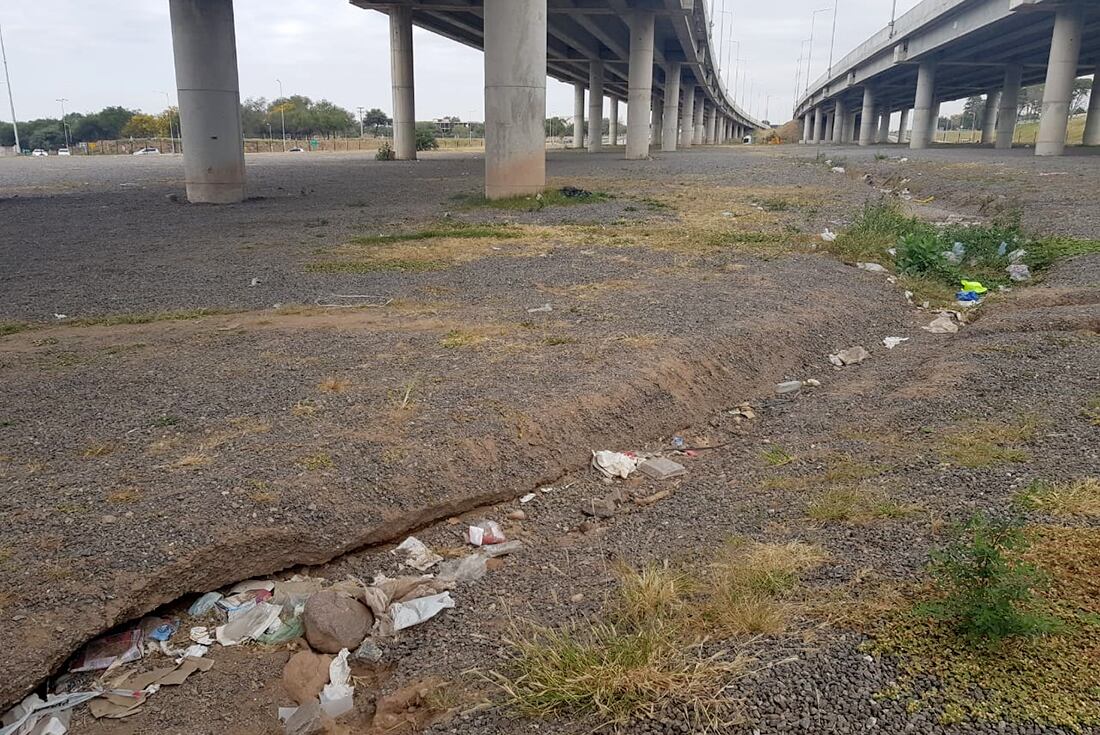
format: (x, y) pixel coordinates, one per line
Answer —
(244, 444)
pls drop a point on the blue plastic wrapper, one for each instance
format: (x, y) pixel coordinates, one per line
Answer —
(968, 296)
(204, 604)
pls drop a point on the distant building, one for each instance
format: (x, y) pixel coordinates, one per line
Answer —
(444, 126)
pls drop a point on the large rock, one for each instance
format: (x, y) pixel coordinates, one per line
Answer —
(334, 621)
(305, 675)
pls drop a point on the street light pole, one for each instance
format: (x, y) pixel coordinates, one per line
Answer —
(809, 61)
(171, 121)
(64, 125)
(893, 16)
(282, 113)
(832, 41)
(361, 133)
(11, 101)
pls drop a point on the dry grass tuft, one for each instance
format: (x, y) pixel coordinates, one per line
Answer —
(333, 384)
(646, 658)
(856, 505)
(98, 449)
(777, 456)
(457, 338)
(978, 444)
(124, 495)
(1077, 498)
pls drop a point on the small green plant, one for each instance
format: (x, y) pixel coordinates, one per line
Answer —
(988, 591)
(385, 153)
(777, 457)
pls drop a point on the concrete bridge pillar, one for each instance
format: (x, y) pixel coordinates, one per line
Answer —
(903, 128)
(401, 79)
(1010, 99)
(613, 123)
(687, 116)
(1065, 54)
(672, 107)
(830, 126)
(204, 46)
(989, 118)
(852, 134)
(656, 132)
(807, 132)
(935, 121)
(1092, 123)
(595, 106)
(515, 97)
(699, 117)
(640, 83)
(839, 122)
(867, 118)
(923, 120)
(712, 125)
(884, 126)
(819, 125)
(578, 115)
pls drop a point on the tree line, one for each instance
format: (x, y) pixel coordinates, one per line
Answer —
(303, 118)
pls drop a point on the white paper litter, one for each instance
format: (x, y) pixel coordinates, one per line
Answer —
(614, 464)
(33, 710)
(828, 235)
(337, 696)
(414, 612)
(201, 635)
(942, 325)
(892, 342)
(418, 555)
(872, 267)
(249, 625)
(527, 498)
(838, 170)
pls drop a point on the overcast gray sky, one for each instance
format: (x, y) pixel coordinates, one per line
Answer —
(119, 52)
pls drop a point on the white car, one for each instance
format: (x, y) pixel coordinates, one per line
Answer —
(147, 151)
(39, 152)
(63, 152)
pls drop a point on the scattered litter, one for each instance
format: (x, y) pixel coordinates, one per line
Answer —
(485, 533)
(828, 235)
(892, 251)
(789, 386)
(284, 632)
(418, 555)
(850, 356)
(194, 651)
(661, 468)
(1017, 255)
(248, 625)
(942, 325)
(811, 383)
(508, 547)
(1019, 272)
(38, 716)
(467, 569)
(614, 464)
(204, 604)
(892, 342)
(160, 630)
(839, 170)
(254, 282)
(414, 612)
(527, 498)
(121, 648)
(903, 160)
(727, 214)
(540, 309)
(304, 720)
(572, 192)
(974, 286)
(678, 442)
(201, 635)
(59, 317)
(338, 695)
(872, 267)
